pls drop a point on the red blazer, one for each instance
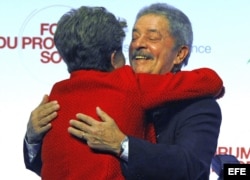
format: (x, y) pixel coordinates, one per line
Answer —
(125, 96)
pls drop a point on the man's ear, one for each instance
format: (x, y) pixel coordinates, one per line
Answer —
(181, 55)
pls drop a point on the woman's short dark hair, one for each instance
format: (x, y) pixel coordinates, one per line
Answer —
(86, 37)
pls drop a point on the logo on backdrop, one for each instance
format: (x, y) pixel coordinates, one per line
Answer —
(241, 153)
(201, 49)
(35, 45)
(43, 42)
(36, 32)
(36, 48)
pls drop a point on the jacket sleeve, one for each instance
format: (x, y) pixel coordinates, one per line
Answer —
(36, 165)
(157, 89)
(187, 140)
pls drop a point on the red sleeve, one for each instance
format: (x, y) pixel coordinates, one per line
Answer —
(157, 89)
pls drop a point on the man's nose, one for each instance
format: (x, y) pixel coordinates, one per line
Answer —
(140, 43)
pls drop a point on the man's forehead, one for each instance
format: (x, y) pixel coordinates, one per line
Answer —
(151, 31)
(151, 23)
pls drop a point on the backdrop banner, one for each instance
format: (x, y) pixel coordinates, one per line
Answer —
(30, 65)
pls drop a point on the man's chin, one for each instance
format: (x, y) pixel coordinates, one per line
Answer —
(140, 69)
(140, 66)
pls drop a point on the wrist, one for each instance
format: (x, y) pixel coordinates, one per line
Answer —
(123, 146)
(30, 140)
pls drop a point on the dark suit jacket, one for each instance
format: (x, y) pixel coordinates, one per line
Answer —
(187, 133)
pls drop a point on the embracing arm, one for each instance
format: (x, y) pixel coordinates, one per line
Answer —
(38, 125)
(157, 89)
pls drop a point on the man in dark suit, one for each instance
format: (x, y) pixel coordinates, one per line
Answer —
(187, 131)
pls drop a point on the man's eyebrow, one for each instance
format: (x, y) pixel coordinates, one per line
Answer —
(134, 30)
(153, 30)
(148, 30)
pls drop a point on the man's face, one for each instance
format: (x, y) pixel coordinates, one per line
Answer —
(151, 48)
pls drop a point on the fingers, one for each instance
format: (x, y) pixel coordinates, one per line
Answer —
(80, 126)
(104, 116)
(85, 136)
(40, 118)
(45, 99)
(43, 129)
(76, 132)
(45, 113)
(86, 119)
(85, 127)
(80, 133)
(91, 121)
(48, 109)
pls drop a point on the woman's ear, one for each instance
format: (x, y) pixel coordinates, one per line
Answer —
(112, 58)
(117, 59)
